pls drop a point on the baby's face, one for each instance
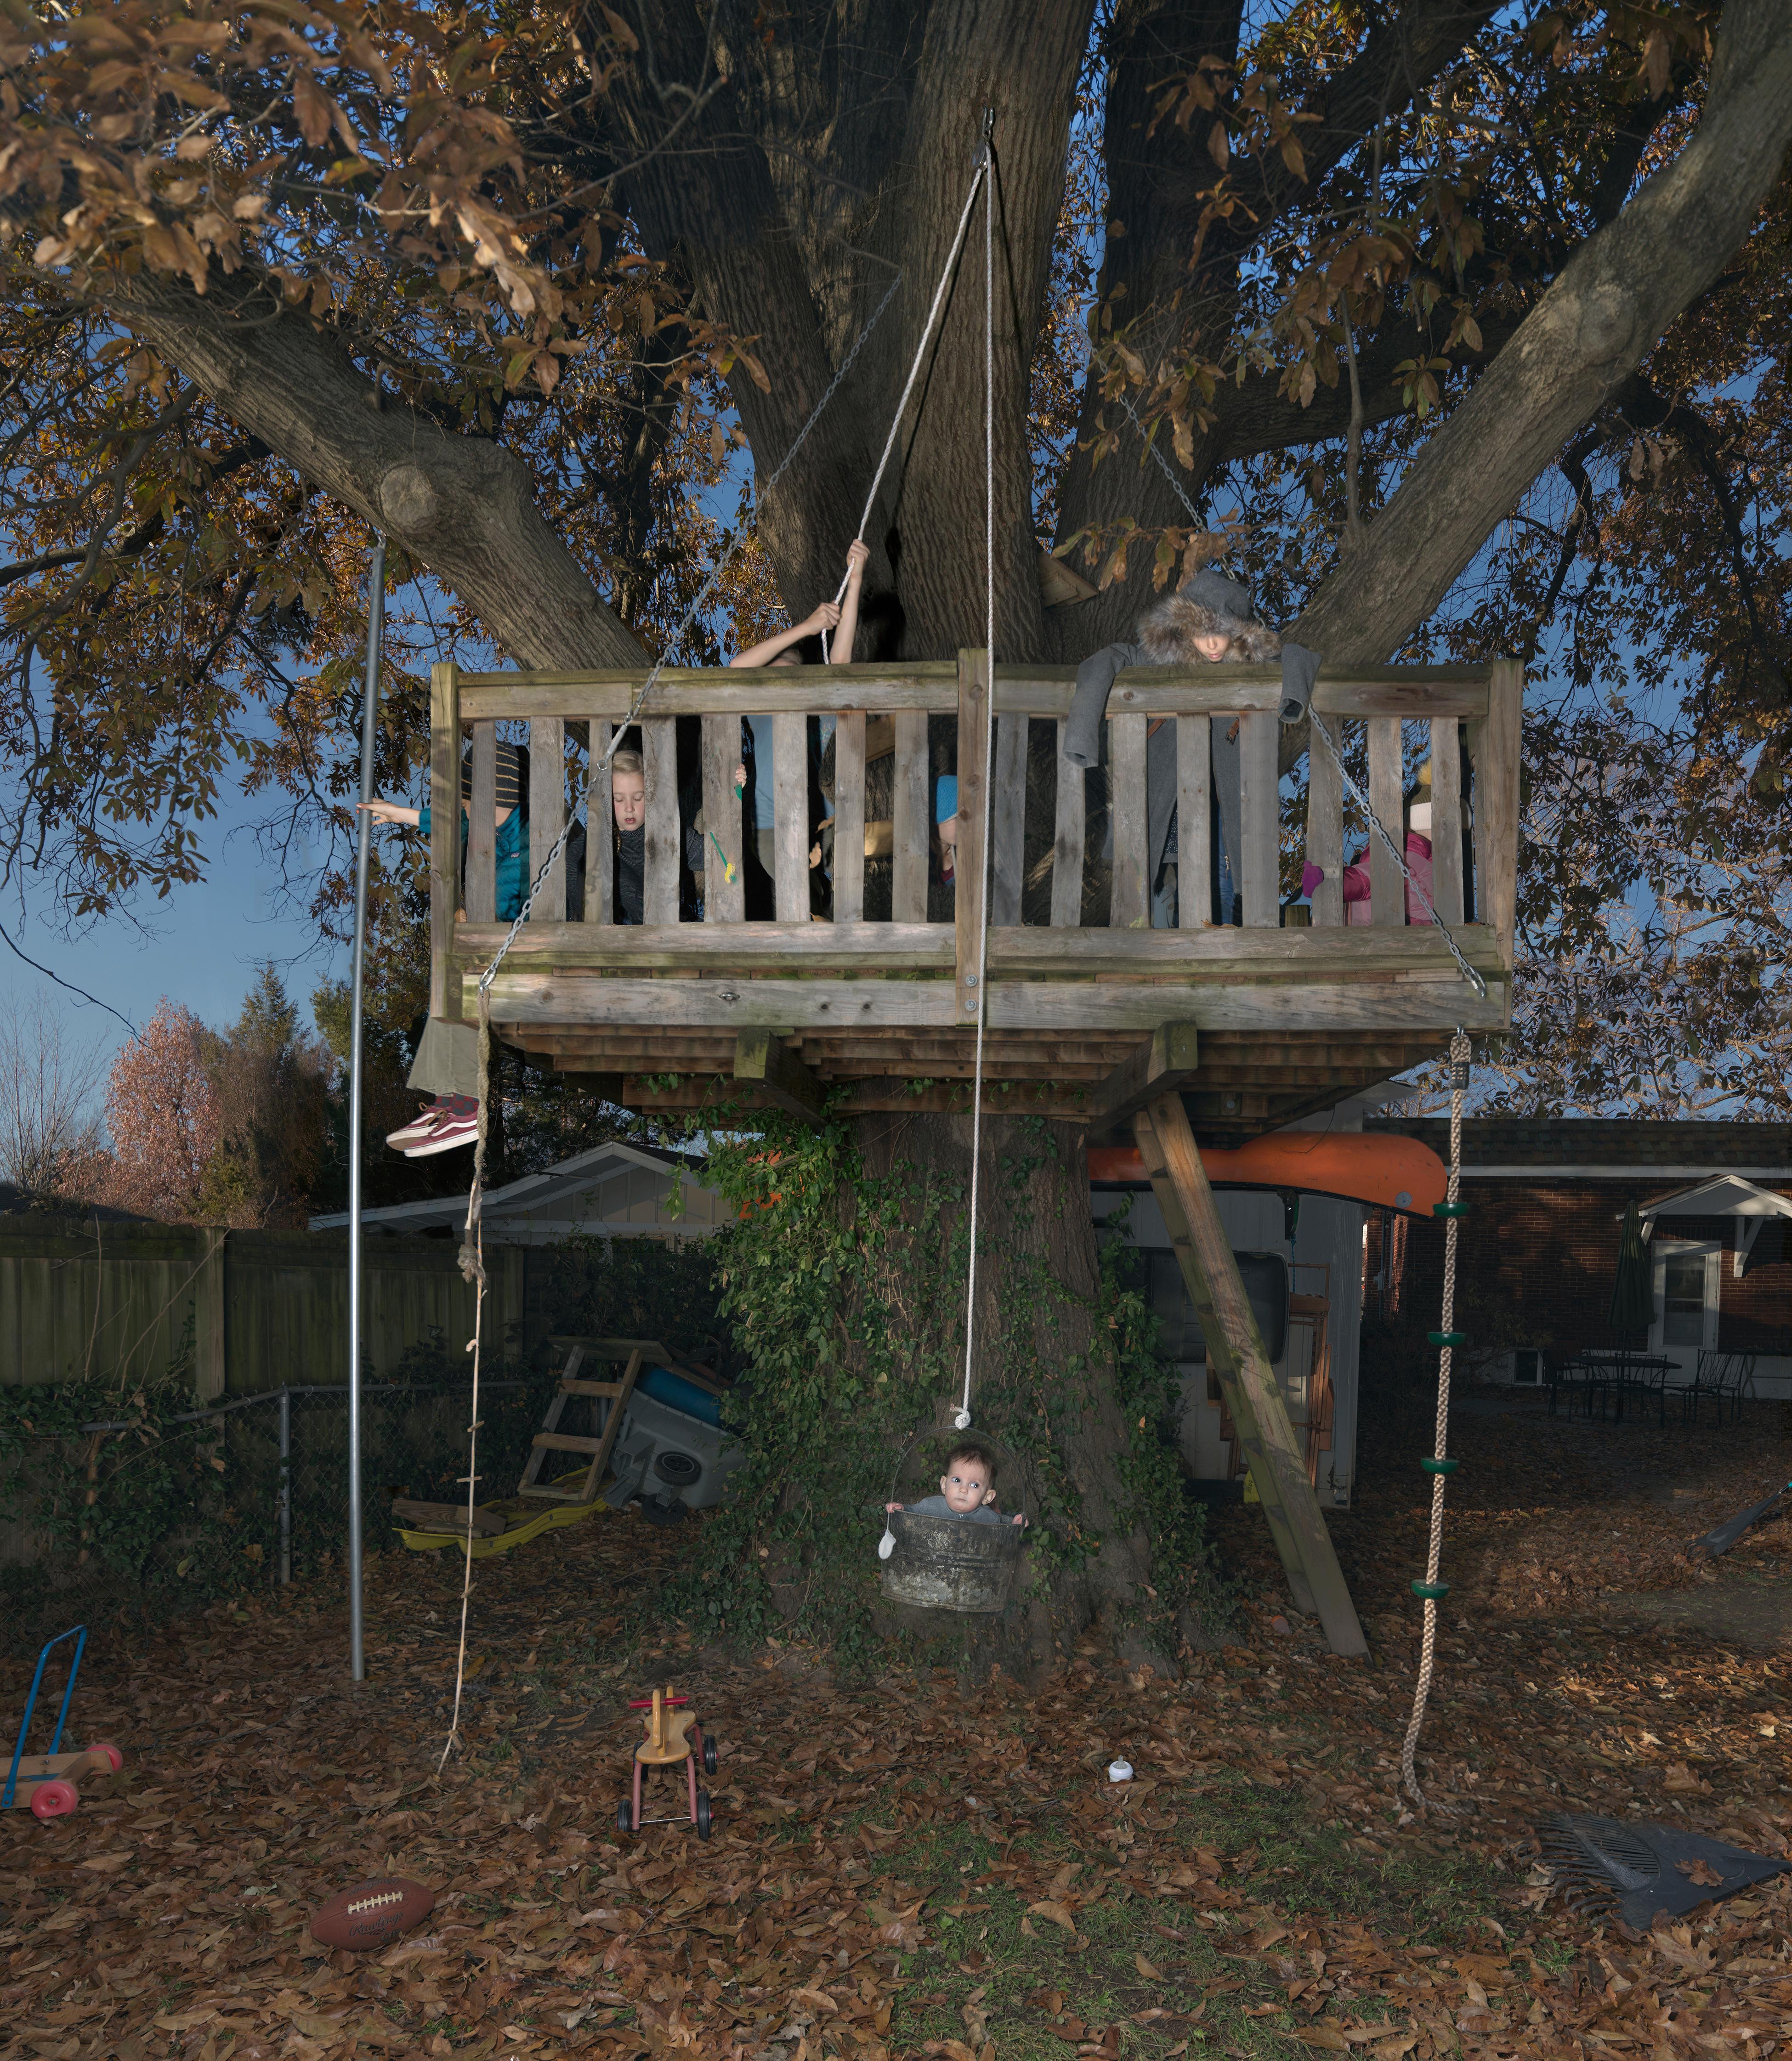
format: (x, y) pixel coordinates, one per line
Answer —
(1212, 646)
(629, 793)
(966, 1486)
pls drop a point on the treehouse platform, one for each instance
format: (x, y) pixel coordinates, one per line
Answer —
(859, 992)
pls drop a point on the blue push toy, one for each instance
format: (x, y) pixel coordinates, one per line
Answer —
(45, 1781)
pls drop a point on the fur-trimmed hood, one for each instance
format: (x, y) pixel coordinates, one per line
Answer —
(1208, 605)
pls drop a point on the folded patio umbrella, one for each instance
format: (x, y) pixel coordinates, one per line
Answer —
(1633, 1295)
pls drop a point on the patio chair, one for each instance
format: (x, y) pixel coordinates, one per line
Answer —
(1733, 1382)
(1575, 1376)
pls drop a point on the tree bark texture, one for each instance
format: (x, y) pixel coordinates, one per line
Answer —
(1043, 1394)
(462, 506)
(773, 228)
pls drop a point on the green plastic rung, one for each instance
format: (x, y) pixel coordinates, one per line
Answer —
(1431, 1592)
(1440, 1467)
(1450, 1209)
(1448, 1337)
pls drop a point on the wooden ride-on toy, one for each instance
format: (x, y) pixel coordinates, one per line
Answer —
(46, 1781)
(673, 1733)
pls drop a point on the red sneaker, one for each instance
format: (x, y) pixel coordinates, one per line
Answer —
(456, 1123)
(418, 1128)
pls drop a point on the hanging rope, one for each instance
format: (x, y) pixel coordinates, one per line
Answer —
(986, 160)
(473, 1268)
(1440, 1467)
(677, 637)
(471, 1254)
(915, 370)
(1319, 729)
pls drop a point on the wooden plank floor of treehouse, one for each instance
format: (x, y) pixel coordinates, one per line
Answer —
(551, 1440)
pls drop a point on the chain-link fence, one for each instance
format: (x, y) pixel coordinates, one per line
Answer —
(147, 1510)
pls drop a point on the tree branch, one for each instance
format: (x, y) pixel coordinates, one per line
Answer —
(461, 505)
(1584, 338)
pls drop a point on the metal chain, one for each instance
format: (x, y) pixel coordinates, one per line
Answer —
(1375, 823)
(1361, 799)
(1460, 1050)
(703, 593)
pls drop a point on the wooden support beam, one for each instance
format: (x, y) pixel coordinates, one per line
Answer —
(1164, 1067)
(761, 1058)
(971, 862)
(445, 836)
(1236, 1352)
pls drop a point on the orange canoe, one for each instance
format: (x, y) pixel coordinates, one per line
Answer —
(1386, 1172)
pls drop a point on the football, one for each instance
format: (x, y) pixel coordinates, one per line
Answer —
(372, 1914)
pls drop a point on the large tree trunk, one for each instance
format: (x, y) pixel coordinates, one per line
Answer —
(1043, 1381)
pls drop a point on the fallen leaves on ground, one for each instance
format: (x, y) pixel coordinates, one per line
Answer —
(900, 1867)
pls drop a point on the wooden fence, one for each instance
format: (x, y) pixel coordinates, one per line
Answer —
(265, 1309)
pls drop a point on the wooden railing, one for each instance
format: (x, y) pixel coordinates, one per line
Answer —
(1480, 706)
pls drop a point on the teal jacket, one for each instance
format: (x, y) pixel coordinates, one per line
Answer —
(513, 860)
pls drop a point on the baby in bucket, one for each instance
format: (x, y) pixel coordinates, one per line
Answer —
(966, 1490)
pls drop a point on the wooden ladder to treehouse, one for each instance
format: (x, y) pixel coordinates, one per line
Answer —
(551, 1440)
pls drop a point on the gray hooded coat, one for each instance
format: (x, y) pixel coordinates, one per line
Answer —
(1210, 603)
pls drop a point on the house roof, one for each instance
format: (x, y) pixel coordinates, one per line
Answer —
(1727, 1195)
(1605, 1148)
(614, 1190)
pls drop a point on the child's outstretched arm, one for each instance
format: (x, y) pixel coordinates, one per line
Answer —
(391, 812)
(840, 644)
(826, 617)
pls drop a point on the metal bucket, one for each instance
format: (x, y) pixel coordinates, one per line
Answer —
(952, 1562)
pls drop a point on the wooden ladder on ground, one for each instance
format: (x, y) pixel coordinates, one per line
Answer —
(551, 1440)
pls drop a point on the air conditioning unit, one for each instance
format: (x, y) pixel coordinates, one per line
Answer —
(670, 1454)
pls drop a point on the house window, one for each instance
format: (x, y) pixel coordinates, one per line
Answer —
(1527, 1364)
(1683, 1299)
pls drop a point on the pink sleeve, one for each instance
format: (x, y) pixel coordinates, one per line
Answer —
(1419, 865)
(1356, 883)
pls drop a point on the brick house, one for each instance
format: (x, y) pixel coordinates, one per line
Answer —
(1539, 1251)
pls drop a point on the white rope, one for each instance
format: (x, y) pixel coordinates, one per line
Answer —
(1459, 1051)
(963, 1419)
(914, 374)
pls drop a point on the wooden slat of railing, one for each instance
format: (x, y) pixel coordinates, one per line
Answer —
(724, 900)
(1126, 813)
(971, 859)
(1446, 821)
(1068, 839)
(659, 743)
(1259, 814)
(789, 760)
(1194, 823)
(1008, 827)
(912, 830)
(481, 828)
(547, 814)
(1325, 827)
(1387, 891)
(445, 836)
(849, 817)
(600, 832)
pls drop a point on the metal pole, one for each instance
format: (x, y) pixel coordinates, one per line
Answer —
(363, 845)
(285, 1488)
